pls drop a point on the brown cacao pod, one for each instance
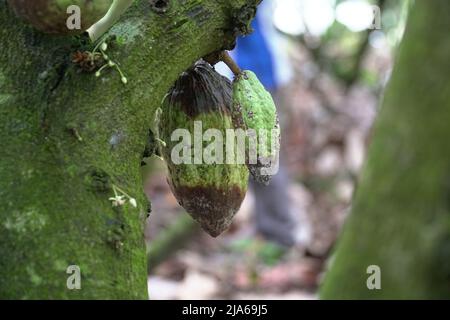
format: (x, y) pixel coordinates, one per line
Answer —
(210, 191)
(51, 16)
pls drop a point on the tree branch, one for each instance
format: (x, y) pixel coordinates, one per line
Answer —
(54, 184)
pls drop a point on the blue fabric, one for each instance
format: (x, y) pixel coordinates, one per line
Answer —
(253, 53)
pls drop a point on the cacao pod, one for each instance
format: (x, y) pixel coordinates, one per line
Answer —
(211, 192)
(50, 16)
(255, 110)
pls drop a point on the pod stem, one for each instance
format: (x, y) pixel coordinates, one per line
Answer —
(115, 11)
(228, 60)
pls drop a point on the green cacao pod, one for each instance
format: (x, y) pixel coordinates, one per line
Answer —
(208, 187)
(254, 110)
(51, 16)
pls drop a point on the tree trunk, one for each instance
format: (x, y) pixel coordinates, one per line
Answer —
(400, 220)
(69, 137)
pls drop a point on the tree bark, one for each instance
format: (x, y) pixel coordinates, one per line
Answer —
(69, 137)
(400, 220)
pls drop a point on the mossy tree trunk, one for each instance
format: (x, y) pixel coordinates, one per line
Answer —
(400, 220)
(68, 137)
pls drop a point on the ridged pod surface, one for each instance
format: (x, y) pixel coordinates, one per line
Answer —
(211, 193)
(254, 108)
(50, 16)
